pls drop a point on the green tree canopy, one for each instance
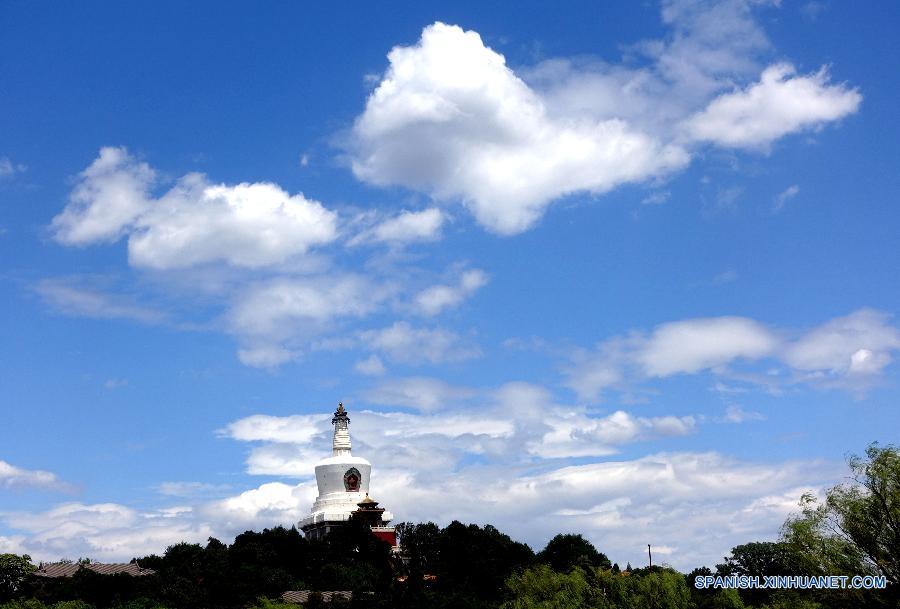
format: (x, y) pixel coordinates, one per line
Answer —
(857, 528)
(14, 570)
(566, 551)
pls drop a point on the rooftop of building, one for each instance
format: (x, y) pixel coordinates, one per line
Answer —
(68, 569)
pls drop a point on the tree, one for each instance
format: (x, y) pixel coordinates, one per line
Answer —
(710, 598)
(14, 570)
(543, 588)
(564, 552)
(757, 558)
(857, 527)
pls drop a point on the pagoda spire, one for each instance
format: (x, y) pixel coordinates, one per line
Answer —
(341, 443)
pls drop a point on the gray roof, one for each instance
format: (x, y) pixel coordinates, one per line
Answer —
(302, 596)
(68, 569)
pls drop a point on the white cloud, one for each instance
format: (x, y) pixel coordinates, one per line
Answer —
(111, 195)
(728, 276)
(406, 227)
(421, 393)
(401, 342)
(275, 320)
(371, 366)
(736, 414)
(271, 308)
(194, 223)
(858, 345)
(784, 196)
(779, 104)
(113, 532)
(574, 435)
(274, 503)
(190, 489)
(114, 383)
(656, 198)
(700, 504)
(270, 317)
(8, 168)
(523, 476)
(696, 344)
(436, 298)
(70, 298)
(591, 372)
(297, 428)
(17, 477)
(450, 118)
(850, 352)
(265, 356)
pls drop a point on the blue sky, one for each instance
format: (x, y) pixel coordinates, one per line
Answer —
(627, 271)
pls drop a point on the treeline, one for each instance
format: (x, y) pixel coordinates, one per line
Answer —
(854, 531)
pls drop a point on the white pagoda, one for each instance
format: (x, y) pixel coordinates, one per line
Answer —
(343, 482)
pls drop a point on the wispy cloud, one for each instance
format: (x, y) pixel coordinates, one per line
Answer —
(846, 352)
(450, 118)
(9, 168)
(70, 297)
(17, 477)
(783, 197)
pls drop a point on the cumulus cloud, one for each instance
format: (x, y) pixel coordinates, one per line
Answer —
(103, 531)
(784, 196)
(779, 104)
(857, 346)
(69, 297)
(196, 222)
(113, 532)
(421, 393)
(110, 196)
(405, 227)
(271, 315)
(17, 477)
(574, 435)
(436, 298)
(297, 428)
(8, 168)
(371, 366)
(736, 414)
(404, 343)
(700, 504)
(850, 352)
(190, 489)
(274, 502)
(513, 422)
(543, 492)
(695, 344)
(450, 118)
(512, 455)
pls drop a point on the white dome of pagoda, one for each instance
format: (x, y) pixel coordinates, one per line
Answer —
(342, 480)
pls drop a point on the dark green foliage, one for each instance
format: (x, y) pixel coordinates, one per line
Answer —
(472, 567)
(566, 551)
(543, 587)
(856, 530)
(475, 562)
(711, 598)
(14, 570)
(759, 558)
(597, 588)
(31, 603)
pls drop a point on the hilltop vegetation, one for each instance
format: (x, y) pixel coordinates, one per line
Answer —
(854, 531)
